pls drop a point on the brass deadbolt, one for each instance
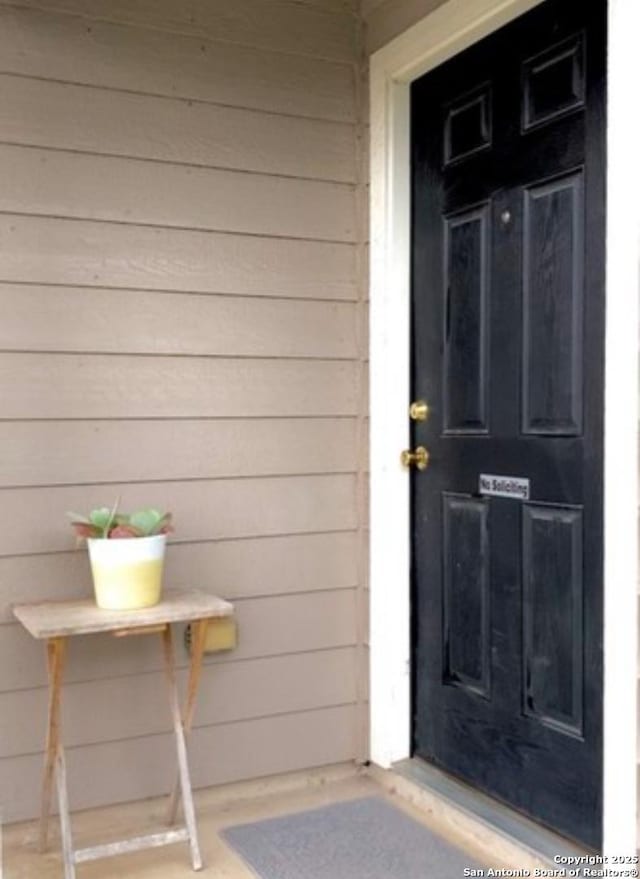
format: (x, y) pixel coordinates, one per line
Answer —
(419, 410)
(419, 458)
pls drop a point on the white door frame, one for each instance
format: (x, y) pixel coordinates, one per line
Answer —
(445, 32)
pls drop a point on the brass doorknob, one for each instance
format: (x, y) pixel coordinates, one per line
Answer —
(419, 458)
(419, 410)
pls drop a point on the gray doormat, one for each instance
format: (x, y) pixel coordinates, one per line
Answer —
(366, 838)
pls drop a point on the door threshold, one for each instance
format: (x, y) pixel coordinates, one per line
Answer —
(479, 821)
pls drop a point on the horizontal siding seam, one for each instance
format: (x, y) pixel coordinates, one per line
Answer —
(13, 555)
(248, 172)
(346, 646)
(204, 36)
(16, 555)
(110, 221)
(234, 169)
(196, 726)
(157, 356)
(221, 294)
(97, 352)
(40, 420)
(348, 471)
(184, 666)
(97, 419)
(249, 596)
(157, 96)
(176, 162)
(318, 5)
(241, 419)
(208, 662)
(249, 108)
(194, 34)
(236, 599)
(329, 590)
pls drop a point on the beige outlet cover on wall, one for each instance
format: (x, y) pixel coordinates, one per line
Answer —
(222, 634)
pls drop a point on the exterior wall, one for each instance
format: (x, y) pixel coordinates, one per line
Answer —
(182, 325)
(385, 19)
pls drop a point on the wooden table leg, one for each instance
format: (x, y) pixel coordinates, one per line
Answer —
(181, 747)
(68, 854)
(55, 666)
(199, 632)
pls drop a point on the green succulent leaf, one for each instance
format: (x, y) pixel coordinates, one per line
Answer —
(100, 517)
(146, 521)
(105, 523)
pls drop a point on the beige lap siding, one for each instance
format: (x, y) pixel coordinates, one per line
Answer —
(181, 290)
(385, 19)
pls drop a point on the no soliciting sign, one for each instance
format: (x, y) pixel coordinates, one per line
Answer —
(504, 486)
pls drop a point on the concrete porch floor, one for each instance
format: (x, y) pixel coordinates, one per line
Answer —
(218, 808)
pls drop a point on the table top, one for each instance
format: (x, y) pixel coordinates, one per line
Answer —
(55, 619)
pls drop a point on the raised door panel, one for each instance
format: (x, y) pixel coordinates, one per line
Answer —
(552, 627)
(466, 247)
(465, 554)
(553, 255)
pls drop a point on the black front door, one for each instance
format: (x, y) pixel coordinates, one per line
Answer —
(508, 316)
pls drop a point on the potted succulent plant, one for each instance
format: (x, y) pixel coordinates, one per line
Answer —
(126, 552)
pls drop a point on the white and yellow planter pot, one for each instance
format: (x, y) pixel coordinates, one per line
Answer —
(127, 572)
